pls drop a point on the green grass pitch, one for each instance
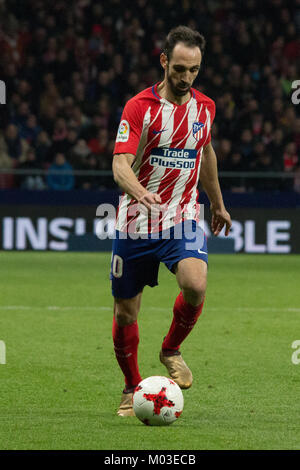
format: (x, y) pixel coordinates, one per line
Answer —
(60, 386)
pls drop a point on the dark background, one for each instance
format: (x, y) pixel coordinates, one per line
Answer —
(70, 66)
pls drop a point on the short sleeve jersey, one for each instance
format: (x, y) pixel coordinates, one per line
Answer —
(167, 141)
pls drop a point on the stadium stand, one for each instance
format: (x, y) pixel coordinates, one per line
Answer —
(69, 67)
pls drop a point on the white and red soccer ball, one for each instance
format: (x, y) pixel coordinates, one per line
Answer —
(157, 401)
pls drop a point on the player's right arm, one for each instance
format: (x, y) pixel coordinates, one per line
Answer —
(127, 141)
(128, 182)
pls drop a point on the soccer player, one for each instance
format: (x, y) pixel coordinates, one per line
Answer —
(163, 140)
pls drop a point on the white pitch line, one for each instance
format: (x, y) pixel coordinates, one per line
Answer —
(241, 309)
(161, 309)
(51, 307)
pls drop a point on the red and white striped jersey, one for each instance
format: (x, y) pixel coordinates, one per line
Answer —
(167, 140)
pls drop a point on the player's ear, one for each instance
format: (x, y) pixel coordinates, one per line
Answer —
(163, 60)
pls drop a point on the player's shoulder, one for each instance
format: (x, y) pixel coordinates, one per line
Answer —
(202, 98)
(143, 99)
(137, 106)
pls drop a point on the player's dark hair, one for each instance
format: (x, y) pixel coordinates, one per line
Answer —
(187, 36)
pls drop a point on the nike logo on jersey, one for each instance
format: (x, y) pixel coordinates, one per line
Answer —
(158, 132)
(202, 252)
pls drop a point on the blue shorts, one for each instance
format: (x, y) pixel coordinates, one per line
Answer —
(135, 263)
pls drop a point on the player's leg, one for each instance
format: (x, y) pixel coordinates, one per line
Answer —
(191, 278)
(191, 275)
(186, 256)
(132, 268)
(126, 339)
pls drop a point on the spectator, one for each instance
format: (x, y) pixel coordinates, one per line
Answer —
(276, 147)
(60, 174)
(257, 124)
(22, 114)
(235, 163)
(30, 181)
(62, 138)
(30, 130)
(257, 156)
(267, 133)
(99, 145)
(224, 150)
(15, 146)
(60, 130)
(296, 134)
(290, 157)
(246, 142)
(43, 145)
(78, 154)
(78, 120)
(264, 164)
(6, 163)
(90, 181)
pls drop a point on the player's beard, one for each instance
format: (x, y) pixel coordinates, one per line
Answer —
(178, 89)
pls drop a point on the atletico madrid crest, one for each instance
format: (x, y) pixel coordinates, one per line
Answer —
(198, 130)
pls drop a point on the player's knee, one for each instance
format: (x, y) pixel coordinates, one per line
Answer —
(125, 314)
(194, 293)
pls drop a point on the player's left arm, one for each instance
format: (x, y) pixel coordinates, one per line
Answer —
(210, 183)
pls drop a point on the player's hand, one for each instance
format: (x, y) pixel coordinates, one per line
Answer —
(151, 202)
(220, 218)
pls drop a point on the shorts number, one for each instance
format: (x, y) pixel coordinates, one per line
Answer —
(117, 266)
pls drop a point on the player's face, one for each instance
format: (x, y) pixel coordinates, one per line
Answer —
(182, 68)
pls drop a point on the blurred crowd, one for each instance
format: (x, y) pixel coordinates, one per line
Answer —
(70, 66)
